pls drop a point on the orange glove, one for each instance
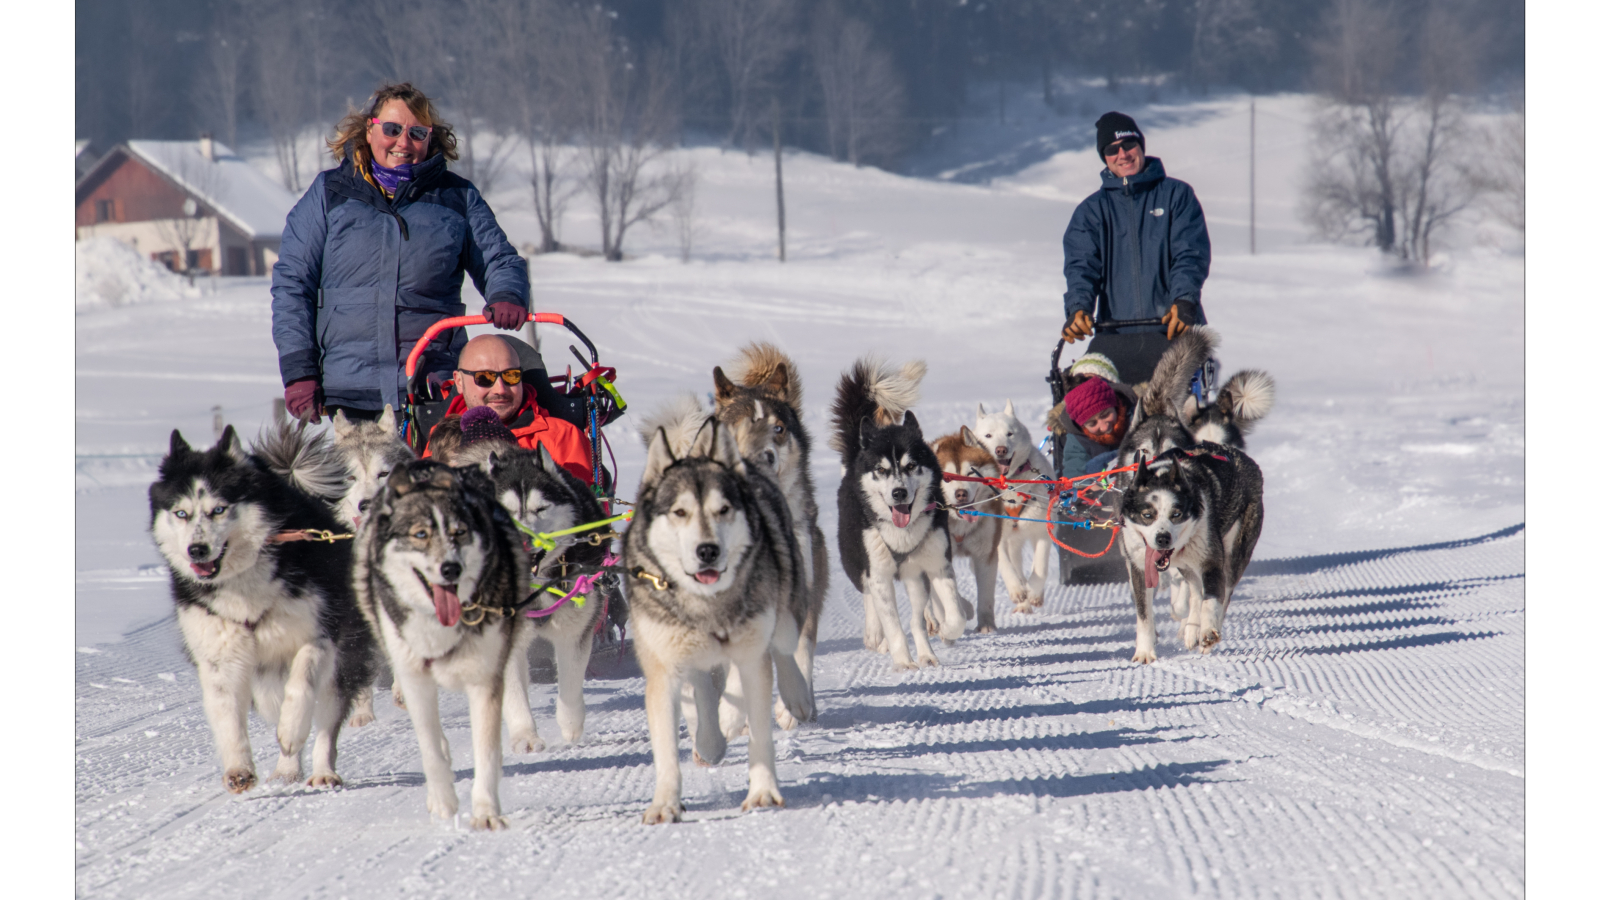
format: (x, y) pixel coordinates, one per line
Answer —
(1079, 328)
(1174, 321)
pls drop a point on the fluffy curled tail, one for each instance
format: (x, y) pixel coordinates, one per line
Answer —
(870, 388)
(1252, 392)
(763, 365)
(1169, 383)
(306, 459)
(681, 418)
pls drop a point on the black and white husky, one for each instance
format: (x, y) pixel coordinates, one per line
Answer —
(370, 450)
(267, 616)
(714, 580)
(1242, 402)
(761, 404)
(891, 523)
(1157, 422)
(1008, 440)
(440, 570)
(543, 496)
(1196, 514)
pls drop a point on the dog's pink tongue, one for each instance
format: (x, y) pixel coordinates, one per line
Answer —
(446, 605)
(707, 576)
(901, 519)
(1152, 577)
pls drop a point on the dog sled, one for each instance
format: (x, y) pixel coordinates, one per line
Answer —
(1086, 553)
(588, 399)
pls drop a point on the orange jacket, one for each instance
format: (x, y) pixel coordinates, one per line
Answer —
(533, 426)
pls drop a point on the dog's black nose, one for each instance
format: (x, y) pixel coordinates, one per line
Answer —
(199, 551)
(771, 456)
(899, 495)
(707, 553)
(1164, 540)
(961, 496)
(450, 572)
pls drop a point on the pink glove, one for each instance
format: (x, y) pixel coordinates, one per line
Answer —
(302, 399)
(505, 315)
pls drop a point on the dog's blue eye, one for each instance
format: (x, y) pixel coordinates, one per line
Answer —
(420, 534)
(180, 514)
(219, 510)
(1176, 515)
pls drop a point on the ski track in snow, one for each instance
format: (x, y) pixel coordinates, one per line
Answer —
(1358, 732)
(1343, 741)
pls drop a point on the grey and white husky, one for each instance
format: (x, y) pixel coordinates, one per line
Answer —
(714, 580)
(370, 450)
(761, 404)
(1195, 513)
(891, 523)
(543, 496)
(1157, 422)
(267, 616)
(1242, 402)
(1008, 440)
(439, 571)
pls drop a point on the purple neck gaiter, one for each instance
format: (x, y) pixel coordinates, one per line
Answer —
(391, 179)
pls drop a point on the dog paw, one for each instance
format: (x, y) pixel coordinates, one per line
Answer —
(952, 631)
(905, 666)
(572, 735)
(1209, 640)
(361, 718)
(760, 797)
(700, 760)
(1191, 635)
(399, 700)
(490, 823)
(783, 718)
(1023, 609)
(526, 743)
(927, 659)
(237, 781)
(1144, 656)
(986, 628)
(443, 802)
(1035, 600)
(287, 771)
(325, 780)
(664, 813)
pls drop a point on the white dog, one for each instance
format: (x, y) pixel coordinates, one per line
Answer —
(1008, 441)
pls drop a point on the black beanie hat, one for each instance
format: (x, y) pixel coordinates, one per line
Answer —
(1113, 127)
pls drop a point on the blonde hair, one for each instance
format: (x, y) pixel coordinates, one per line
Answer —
(350, 136)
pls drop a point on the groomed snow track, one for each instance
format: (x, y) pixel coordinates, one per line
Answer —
(1358, 733)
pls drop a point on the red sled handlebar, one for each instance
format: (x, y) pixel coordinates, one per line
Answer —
(543, 318)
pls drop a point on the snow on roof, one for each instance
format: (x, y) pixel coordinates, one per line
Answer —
(78, 149)
(252, 202)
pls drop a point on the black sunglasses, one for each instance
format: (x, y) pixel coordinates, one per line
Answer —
(418, 133)
(485, 377)
(1119, 146)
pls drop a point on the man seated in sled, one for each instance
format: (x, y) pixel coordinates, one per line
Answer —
(1092, 418)
(489, 373)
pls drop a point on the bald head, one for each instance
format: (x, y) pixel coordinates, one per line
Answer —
(489, 353)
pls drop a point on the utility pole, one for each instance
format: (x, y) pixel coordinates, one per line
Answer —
(777, 162)
(1252, 176)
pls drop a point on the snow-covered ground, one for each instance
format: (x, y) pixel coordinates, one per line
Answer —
(1360, 731)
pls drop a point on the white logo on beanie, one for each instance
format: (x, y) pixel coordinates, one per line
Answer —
(1125, 134)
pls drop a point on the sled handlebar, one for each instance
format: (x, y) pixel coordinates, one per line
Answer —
(543, 318)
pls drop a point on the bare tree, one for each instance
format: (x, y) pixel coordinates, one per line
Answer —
(1353, 184)
(197, 177)
(280, 94)
(1501, 171)
(682, 207)
(863, 98)
(539, 64)
(219, 85)
(1229, 39)
(625, 120)
(1390, 165)
(751, 40)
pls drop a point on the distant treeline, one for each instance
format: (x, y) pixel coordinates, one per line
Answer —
(863, 80)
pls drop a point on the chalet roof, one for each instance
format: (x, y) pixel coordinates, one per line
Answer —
(248, 199)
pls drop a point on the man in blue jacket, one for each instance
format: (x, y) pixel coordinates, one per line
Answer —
(1135, 249)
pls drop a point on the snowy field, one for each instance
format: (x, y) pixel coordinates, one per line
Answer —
(1359, 732)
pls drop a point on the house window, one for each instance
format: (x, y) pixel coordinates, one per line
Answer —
(168, 258)
(238, 261)
(105, 210)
